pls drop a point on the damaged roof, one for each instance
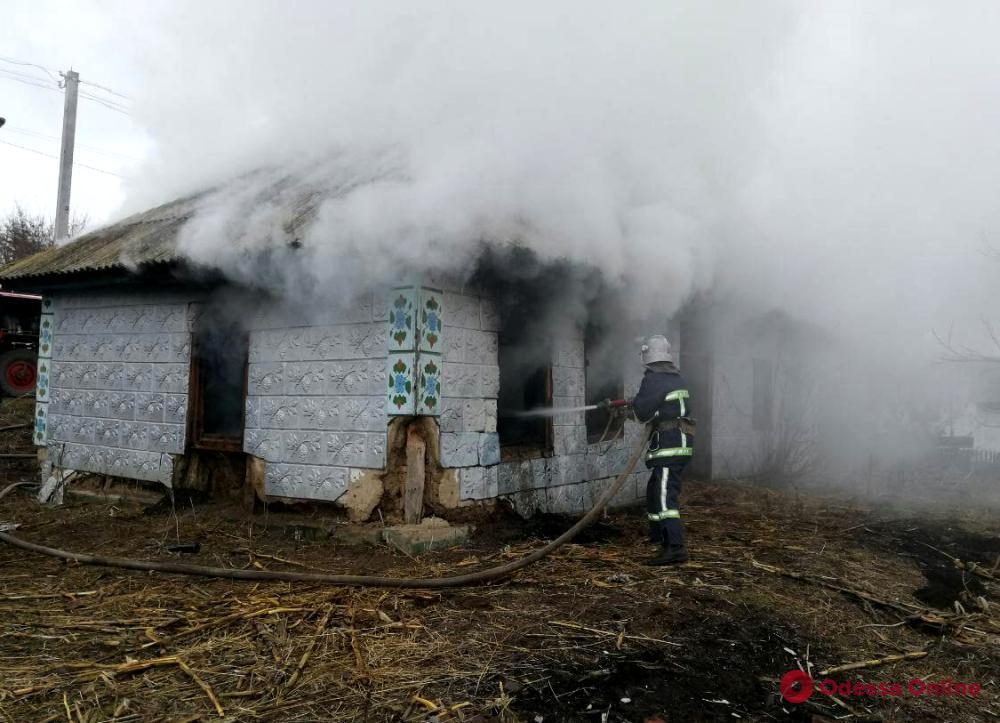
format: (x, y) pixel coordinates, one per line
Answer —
(150, 238)
(143, 239)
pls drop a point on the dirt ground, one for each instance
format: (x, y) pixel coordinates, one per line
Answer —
(777, 582)
(587, 635)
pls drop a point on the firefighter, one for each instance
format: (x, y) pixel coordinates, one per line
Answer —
(663, 402)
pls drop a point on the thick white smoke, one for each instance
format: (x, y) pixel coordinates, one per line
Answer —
(837, 160)
(618, 134)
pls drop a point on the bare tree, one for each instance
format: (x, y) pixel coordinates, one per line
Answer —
(23, 234)
(790, 451)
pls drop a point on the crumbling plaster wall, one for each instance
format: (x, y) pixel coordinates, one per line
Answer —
(316, 397)
(117, 395)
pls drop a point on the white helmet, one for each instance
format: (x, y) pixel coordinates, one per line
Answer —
(656, 349)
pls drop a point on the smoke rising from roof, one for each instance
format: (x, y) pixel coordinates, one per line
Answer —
(837, 160)
(618, 135)
(840, 159)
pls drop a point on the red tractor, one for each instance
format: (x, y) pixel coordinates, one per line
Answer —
(19, 318)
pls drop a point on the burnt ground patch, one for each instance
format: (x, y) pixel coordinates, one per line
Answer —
(946, 586)
(931, 545)
(724, 669)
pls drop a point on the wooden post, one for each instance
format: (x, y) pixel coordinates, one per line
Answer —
(253, 484)
(413, 494)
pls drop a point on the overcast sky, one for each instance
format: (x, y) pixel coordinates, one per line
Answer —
(97, 40)
(838, 158)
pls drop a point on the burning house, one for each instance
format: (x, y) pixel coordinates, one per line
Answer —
(408, 396)
(155, 371)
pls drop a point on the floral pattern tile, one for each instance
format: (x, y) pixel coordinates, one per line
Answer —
(430, 321)
(415, 346)
(429, 386)
(400, 378)
(41, 423)
(44, 368)
(42, 385)
(402, 320)
(45, 326)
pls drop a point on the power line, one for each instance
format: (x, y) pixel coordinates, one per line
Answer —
(41, 83)
(12, 61)
(106, 103)
(26, 132)
(45, 136)
(29, 82)
(52, 73)
(49, 155)
(105, 89)
(36, 78)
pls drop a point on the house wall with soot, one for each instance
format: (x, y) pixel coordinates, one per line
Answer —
(321, 389)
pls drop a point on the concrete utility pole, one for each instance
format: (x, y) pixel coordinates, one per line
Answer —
(72, 79)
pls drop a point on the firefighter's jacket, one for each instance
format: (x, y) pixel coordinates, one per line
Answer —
(663, 399)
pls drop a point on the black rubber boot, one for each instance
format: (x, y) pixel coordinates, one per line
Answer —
(673, 555)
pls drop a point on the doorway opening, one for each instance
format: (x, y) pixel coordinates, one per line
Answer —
(219, 362)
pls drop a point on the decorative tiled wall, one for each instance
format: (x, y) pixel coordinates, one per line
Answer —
(316, 399)
(430, 335)
(44, 372)
(416, 337)
(317, 405)
(116, 398)
(471, 383)
(402, 351)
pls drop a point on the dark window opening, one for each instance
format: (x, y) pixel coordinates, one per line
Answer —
(525, 386)
(219, 382)
(19, 316)
(763, 395)
(605, 379)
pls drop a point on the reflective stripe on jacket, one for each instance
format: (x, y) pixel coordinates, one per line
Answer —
(664, 396)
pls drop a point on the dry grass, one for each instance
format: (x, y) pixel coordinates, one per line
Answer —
(16, 417)
(775, 584)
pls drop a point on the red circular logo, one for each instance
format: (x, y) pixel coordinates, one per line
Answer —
(796, 686)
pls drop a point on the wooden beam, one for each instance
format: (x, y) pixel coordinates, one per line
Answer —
(413, 494)
(253, 486)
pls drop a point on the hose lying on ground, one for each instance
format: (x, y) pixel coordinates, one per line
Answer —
(472, 578)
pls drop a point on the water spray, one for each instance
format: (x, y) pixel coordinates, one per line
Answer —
(608, 404)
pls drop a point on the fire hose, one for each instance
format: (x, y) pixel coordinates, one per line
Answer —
(473, 578)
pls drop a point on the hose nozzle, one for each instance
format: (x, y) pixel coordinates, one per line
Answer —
(610, 404)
